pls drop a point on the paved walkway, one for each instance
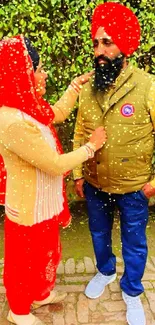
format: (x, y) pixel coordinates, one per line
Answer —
(77, 309)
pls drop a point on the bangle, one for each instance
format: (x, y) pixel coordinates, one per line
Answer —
(90, 150)
(75, 86)
(91, 145)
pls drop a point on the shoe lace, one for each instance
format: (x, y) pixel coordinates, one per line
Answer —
(133, 302)
(98, 277)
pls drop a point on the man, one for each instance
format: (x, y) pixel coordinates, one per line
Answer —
(122, 99)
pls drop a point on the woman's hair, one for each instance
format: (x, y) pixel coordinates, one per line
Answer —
(32, 52)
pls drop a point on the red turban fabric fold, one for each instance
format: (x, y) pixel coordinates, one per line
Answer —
(120, 23)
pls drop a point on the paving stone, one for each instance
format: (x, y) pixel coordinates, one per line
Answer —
(151, 300)
(92, 304)
(58, 318)
(89, 265)
(71, 297)
(117, 323)
(70, 266)
(105, 295)
(61, 268)
(80, 278)
(70, 315)
(148, 313)
(41, 311)
(148, 276)
(114, 305)
(2, 298)
(80, 267)
(47, 319)
(4, 321)
(5, 309)
(147, 285)
(101, 308)
(71, 288)
(82, 309)
(114, 287)
(150, 266)
(152, 259)
(109, 309)
(118, 317)
(116, 296)
(2, 289)
(97, 317)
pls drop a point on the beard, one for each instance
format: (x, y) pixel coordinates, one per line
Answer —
(106, 74)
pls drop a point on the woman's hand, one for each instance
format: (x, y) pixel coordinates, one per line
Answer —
(81, 80)
(98, 138)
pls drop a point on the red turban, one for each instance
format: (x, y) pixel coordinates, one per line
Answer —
(120, 23)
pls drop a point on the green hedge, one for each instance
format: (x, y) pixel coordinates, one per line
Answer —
(61, 32)
(60, 29)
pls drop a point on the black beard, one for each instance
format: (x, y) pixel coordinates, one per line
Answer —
(106, 74)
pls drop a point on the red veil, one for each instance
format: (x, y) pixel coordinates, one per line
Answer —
(17, 90)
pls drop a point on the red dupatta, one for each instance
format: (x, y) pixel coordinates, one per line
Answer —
(17, 90)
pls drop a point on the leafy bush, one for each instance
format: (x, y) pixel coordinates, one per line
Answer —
(60, 30)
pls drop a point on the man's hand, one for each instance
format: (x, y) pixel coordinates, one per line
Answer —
(148, 190)
(79, 187)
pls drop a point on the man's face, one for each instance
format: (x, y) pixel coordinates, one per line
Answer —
(103, 45)
(108, 60)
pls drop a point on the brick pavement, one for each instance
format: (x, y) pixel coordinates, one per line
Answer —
(77, 309)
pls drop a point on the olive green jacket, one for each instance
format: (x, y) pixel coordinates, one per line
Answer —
(127, 111)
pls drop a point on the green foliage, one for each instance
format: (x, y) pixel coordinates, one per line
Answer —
(60, 30)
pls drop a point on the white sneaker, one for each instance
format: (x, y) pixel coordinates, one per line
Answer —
(135, 312)
(96, 286)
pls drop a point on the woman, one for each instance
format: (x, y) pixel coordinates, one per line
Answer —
(35, 201)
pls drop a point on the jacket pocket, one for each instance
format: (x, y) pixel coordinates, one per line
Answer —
(124, 166)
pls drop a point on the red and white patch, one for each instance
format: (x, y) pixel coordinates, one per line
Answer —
(127, 110)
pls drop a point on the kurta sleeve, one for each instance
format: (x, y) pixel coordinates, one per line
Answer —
(26, 140)
(64, 105)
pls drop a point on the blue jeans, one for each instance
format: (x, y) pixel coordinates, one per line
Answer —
(133, 209)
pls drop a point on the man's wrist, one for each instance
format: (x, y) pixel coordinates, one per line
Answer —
(148, 190)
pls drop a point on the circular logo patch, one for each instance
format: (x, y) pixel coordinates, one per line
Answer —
(127, 110)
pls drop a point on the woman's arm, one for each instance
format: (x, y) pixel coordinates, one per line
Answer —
(65, 104)
(26, 141)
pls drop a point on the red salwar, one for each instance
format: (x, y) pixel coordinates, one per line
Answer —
(32, 255)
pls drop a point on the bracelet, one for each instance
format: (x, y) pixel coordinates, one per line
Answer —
(71, 88)
(90, 154)
(91, 145)
(90, 150)
(75, 86)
